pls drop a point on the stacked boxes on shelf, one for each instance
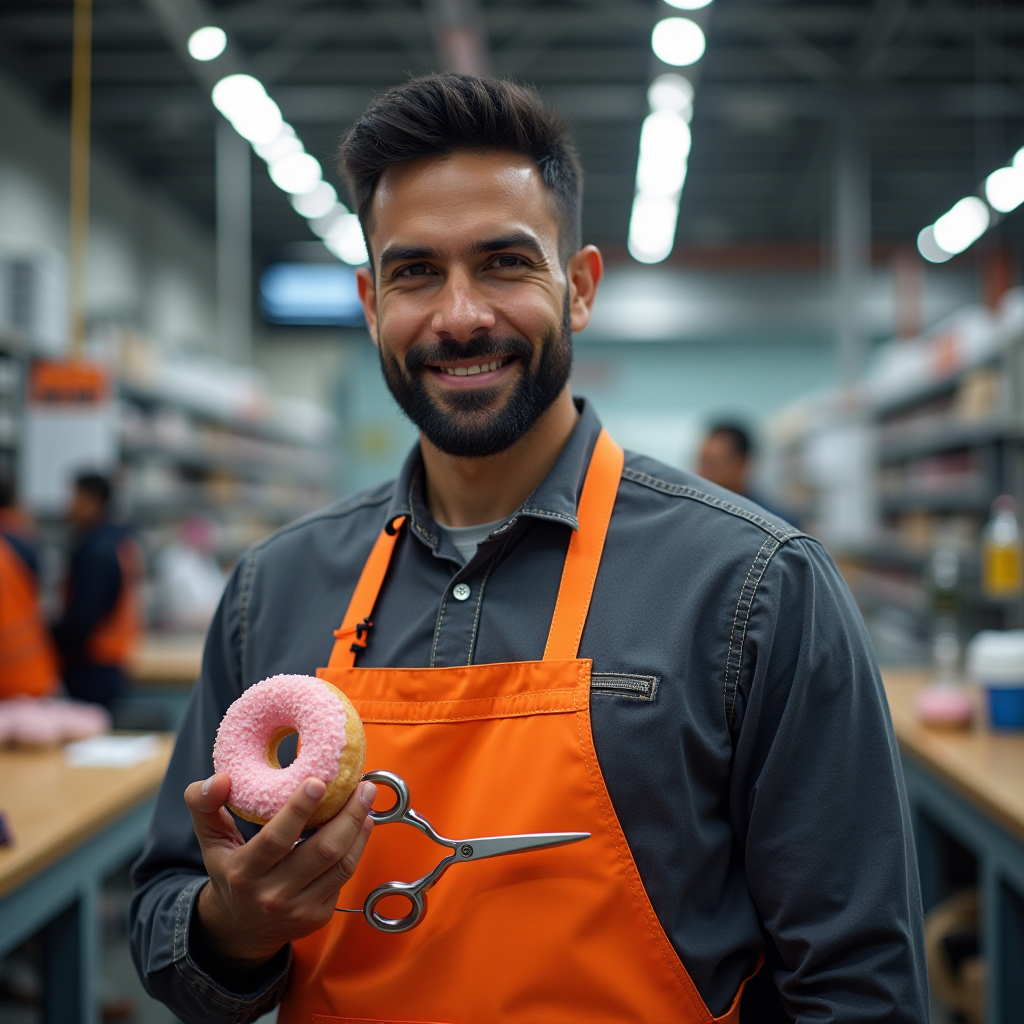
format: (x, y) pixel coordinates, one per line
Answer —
(944, 419)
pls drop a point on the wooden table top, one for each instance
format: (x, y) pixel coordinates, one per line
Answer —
(987, 767)
(168, 659)
(51, 807)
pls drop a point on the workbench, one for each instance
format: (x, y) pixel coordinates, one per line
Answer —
(163, 670)
(72, 829)
(968, 786)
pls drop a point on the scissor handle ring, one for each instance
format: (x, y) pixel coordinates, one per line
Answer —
(397, 786)
(417, 898)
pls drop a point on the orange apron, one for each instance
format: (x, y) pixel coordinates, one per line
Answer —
(28, 662)
(544, 937)
(117, 636)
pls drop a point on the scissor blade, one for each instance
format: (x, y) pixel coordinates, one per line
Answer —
(496, 846)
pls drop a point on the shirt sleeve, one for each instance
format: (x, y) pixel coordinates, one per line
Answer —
(819, 804)
(170, 872)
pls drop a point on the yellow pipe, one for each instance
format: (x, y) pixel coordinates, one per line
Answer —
(81, 85)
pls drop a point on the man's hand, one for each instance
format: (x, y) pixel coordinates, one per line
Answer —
(267, 892)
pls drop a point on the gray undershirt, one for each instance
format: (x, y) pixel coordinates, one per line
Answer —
(467, 538)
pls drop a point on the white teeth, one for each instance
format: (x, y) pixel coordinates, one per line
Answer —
(468, 371)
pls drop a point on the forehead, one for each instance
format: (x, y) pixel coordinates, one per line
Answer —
(459, 194)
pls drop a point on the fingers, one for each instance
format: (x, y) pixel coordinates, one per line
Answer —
(211, 820)
(329, 847)
(283, 831)
(327, 885)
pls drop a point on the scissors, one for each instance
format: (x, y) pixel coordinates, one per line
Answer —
(463, 850)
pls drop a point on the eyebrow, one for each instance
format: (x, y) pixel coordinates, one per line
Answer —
(398, 253)
(515, 240)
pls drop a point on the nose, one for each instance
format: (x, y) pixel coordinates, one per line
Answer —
(461, 311)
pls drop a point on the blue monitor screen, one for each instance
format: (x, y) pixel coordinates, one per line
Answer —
(310, 293)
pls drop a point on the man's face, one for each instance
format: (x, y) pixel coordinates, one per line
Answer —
(85, 510)
(470, 306)
(720, 463)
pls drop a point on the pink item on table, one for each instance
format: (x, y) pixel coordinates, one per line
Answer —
(281, 703)
(29, 722)
(945, 706)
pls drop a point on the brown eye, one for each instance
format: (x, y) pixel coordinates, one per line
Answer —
(508, 262)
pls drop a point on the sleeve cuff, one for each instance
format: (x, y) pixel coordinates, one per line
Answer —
(243, 1006)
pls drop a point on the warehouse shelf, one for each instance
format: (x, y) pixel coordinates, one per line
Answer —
(303, 467)
(948, 436)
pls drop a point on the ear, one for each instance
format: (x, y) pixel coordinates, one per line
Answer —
(584, 272)
(368, 297)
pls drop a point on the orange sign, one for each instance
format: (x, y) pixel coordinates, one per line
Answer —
(73, 383)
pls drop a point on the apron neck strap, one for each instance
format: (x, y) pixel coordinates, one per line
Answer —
(355, 628)
(578, 575)
(585, 547)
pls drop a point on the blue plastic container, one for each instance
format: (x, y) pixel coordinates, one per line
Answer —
(1006, 706)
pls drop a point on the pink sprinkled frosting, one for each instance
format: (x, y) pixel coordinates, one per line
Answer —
(303, 703)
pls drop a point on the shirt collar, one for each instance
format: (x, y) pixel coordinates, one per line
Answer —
(555, 499)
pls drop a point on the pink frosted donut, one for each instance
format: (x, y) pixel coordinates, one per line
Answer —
(332, 746)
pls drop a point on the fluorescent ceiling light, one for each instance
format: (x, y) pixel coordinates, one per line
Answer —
(325, 223)
(929, 248)
(346, 241)
(964, 224)
(296, 173)
(245, 103)
(283, 144)
(1004, 189)
(665, 136)
(1018, 157)
(318, 202)
(207, 43)
(678, 41)
(671, 92)
(688, 5)
(652, 228)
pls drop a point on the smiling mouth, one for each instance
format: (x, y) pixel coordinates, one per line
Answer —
(472, 369)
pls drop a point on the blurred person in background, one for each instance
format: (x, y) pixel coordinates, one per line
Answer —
(28, 663)
(99, 629)
(726, 458)
(188, 579)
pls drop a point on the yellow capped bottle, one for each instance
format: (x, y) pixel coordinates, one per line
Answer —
(1002, 554)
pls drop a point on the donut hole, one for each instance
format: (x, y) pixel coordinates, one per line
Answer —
(282, 747)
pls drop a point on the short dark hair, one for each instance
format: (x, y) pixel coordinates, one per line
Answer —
(97, 485)
(441, 114)
(738, 435)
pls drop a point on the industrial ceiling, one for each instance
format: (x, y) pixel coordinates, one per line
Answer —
(935, 88)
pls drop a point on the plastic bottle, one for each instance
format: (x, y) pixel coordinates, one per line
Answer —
(1002, 553)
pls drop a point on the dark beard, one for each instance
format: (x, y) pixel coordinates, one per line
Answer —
(469, 427)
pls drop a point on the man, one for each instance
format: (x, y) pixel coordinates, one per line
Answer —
(543, 639)
(99, 629)
(725, 459)
(28, 664)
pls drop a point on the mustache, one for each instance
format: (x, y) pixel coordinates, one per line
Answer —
(481, 346)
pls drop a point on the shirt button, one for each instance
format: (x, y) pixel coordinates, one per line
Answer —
(461, 591)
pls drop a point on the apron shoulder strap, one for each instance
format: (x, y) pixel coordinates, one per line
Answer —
(578, 575)
(352, 637)
(585, 547)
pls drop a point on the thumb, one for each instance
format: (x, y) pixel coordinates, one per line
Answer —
(210, 818)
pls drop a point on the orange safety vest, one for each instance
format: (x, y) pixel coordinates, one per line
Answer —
(114, 640)
(28, 662)
(553, 936)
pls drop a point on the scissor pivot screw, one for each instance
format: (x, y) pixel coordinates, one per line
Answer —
(466, 850)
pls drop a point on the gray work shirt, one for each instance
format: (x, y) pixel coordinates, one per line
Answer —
(738, 715)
